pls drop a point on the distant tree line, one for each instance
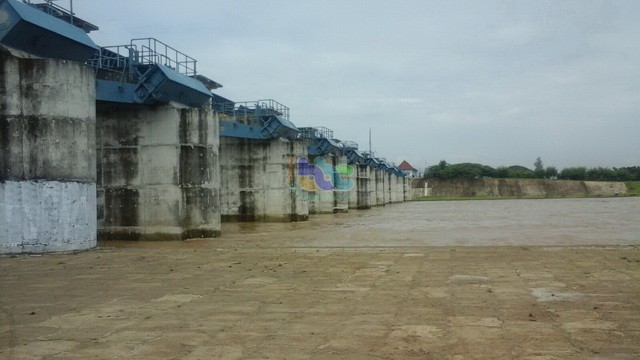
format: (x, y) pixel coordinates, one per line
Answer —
(445, 170)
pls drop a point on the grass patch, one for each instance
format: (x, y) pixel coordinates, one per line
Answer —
(633, 188)
(484, 197)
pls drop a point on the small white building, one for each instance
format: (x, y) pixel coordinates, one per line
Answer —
(408, 169)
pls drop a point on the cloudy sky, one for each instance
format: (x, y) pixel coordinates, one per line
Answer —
(495, 82)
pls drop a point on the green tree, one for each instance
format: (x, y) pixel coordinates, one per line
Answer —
(502, 172)
(520, 172)
(573, 173)
(550, 172)
(601, 174)
(538, 168)
(435, 171)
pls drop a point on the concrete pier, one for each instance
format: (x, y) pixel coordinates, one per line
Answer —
(381, 186)
(259, 180)
(158, 172)
(47, 155)
(344, 181)
(396, 184)
(332, 198)
(360, 194)
(406, 185)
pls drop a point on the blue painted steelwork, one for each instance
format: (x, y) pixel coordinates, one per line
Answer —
(262, 119)
(159, 83)
(28, 29)
(355, 157)
(372, 162)
(396, 170)
(67, 15)
(383, 165)
(222, 105)
(349, 145)
(229, 128)
(350, 150)
(321, 141)
(380, 164)
(150, 51)
(147, 71)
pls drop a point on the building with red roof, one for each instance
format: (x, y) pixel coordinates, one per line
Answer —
(408, 169)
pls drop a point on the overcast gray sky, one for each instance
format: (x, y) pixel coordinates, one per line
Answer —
(495, 82)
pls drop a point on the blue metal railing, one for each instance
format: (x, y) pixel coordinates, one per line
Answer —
(319, 132)
(55, 10)
(153, 51)
(147, 51)
(253, 109)
(117, 58)
(51, 8)
(351, 145)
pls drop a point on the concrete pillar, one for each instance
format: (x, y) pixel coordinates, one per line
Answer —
(392, 187)
(158, 172)
(389, 188)
(259, 180)
(379, 176)
(361, 195)
(323, 201)
(396, 188)
(372, 187)
(353, 191)
(47, 155)
(344, 179)
(406, 184)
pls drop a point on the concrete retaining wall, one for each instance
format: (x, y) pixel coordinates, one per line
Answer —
(158, 172)
(258, 180)
(523, 188)
(47, 155)
(418, 188)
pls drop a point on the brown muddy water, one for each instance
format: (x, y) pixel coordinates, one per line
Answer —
(544, 222)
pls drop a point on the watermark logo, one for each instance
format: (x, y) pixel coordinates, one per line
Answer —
(322, 176)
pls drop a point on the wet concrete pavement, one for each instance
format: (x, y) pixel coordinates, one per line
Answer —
(407, 281)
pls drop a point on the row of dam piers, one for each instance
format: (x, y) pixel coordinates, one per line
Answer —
(75, 169)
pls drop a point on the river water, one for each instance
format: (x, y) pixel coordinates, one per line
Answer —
(595, 221)
(547, 222)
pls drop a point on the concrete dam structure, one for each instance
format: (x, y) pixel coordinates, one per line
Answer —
(131, 142)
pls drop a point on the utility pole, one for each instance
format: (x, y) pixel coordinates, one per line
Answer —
(370, 154)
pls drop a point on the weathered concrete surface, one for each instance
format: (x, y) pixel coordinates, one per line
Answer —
(396, 188)
(158, 172)
(360, 194)
(327, 201)
(47, 216)
(406, 188)
(263, 291)
(258, 182)
(379, 196)
(47, 155)
(419, 188)
(523, 187)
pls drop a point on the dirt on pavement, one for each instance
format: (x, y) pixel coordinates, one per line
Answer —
(345, 286)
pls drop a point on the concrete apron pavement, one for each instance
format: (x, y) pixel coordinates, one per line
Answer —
(260, 294)
(201, 303)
